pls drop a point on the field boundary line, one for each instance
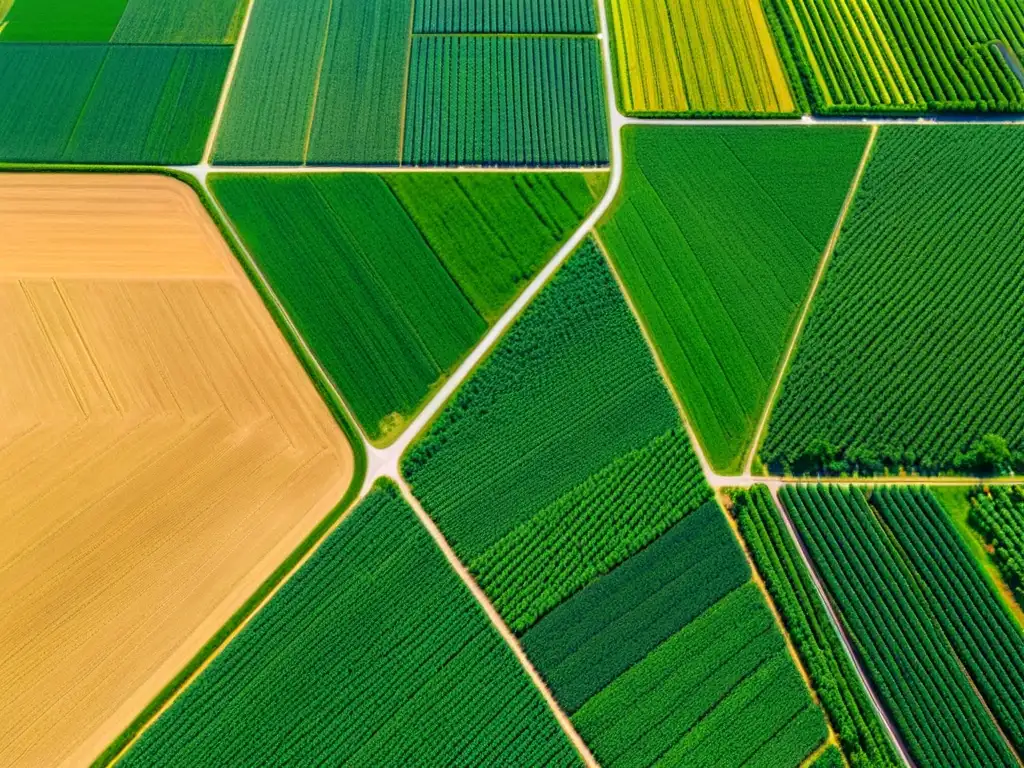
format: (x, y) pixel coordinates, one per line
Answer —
(405, 84)
(316, 83)
(823, 263)
(225, 91)
(195, 170)
(498, 623)
(833, 617)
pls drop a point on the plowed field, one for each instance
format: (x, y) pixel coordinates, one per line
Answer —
(161, 451)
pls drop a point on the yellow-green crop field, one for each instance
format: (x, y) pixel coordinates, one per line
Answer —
(698, 57)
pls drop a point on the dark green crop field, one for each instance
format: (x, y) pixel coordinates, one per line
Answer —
(913, 351)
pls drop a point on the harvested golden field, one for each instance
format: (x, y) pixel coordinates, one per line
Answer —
(698, 57)
(161, 451)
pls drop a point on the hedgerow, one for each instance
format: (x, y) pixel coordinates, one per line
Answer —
(998, 515)
(845, 702)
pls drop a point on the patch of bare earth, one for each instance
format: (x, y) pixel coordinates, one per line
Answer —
(161, 451)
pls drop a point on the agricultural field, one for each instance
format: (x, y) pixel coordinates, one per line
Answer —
(998, 515)
(162, 451)
(496, 100)
(108, 103)
(907, 56)
(717, 235)
(536, 17)
(700, 58)
(913, 349)
(908, 588)
(391, 293)
(860, 732)
(373, 654)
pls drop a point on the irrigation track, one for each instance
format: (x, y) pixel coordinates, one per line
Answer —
(826, 258)
(837, 625)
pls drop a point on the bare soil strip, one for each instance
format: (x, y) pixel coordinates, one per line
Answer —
(167, 454)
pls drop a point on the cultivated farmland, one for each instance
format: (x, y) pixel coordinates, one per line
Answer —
(787, 579)
(907, 55)
(912, 353)
(924, 661)
(162, 451)
(180, 21)
(717, 235)
(496, 100)
(519, 17)
(721, 690)
(108, 103)
(373, 654)
(999, 516)
(58, 21)
(390, 300)
(697, 57)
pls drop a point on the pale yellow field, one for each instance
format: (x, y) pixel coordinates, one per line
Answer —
(161, 451)
(700, 56)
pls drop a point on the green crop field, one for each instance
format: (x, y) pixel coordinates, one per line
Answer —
(912, 353)
(373, 654)
(495, 100)
(606, 628)
(722, 690)
(892, 572)
(569, 389)
(362, 84)
(717, 235)
(907, 55)
(493, 232)
(372, 288)
(999, 516)
(180, 21)
(520, 17)
(108, 103)
(788, 581)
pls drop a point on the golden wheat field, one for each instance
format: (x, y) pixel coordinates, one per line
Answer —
(161, 451)
(698, 56)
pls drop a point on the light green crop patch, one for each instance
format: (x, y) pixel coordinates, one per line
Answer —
(59, 21)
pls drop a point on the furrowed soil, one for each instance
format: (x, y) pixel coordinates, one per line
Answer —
(161, 451)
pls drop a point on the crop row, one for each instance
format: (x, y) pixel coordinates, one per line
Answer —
(698, 57)
(793, 592)
(907, 55)
(490, 100)
(373, 654)
(985, 637)
(507, 16)
(902, 643)
(999, 516)
(390, 292)
(720, 690)
(610, 625)
(108, 103)
(912, 352)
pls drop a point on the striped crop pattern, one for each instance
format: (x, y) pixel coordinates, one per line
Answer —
(513, 16)
(908, 55)
(505, 101)
(698, 57)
